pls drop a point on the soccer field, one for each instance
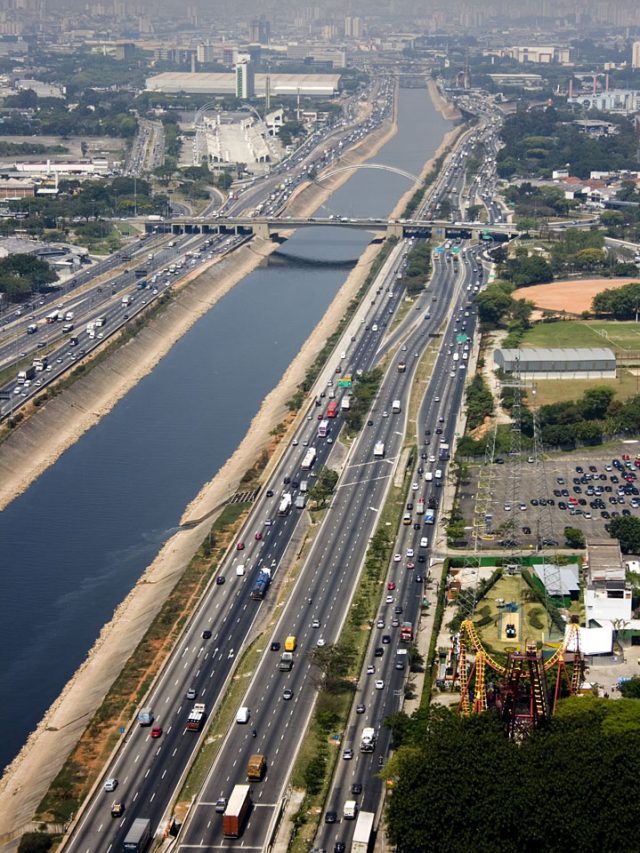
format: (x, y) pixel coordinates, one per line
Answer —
(619, 336)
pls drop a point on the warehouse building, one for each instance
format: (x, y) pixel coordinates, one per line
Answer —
(200, 83)
(561, 363)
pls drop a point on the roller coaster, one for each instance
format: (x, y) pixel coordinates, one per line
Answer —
(522, 694)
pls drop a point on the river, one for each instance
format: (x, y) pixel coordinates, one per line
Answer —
(75, 543)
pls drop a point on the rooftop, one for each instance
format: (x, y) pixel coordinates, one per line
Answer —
(559, 354)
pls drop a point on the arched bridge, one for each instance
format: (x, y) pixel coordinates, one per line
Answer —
(415, 179)
(271, 227)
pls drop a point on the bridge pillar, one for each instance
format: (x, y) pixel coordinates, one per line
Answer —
(395, 229)
(261, 229)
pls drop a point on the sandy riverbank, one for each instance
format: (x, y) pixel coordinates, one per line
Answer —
(64, 419)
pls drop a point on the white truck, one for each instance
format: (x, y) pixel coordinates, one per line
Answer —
(378, 450)
(368, 739)
(350, 810)
(309, 459)
(345, 403)
(284, 506)
(363, 832)
(396, 407)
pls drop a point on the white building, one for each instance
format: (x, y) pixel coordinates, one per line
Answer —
(561, 363)
(245, 81)
(607, 594)
(635, 54)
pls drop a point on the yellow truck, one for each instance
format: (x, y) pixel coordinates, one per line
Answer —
(290, 643)
(256, 767)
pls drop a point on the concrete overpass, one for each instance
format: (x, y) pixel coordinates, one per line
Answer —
(271, 227)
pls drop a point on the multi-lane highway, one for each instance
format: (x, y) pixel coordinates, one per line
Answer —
(149, 769)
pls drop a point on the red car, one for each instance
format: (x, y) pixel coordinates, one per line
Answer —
(411, 564)
(240, 546)
(391, 585)
(258, 536)
(156, 731)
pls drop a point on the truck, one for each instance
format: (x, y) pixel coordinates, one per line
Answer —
(27, 374)
(261, 585)
(368, 739)
(68, 316)
(140, 272)
(420, 506)
(286, 662)
(406, 632)
(309, 459)
(32, 328)
(350, 810)
(237, 811)
(304, 486)
(138, 836)
(429, 516)
(443, 453)
(126, 299)
(196, 717)
(401, 659)
(363, 832)
(68, 327)
(345, 404)
(256, 767)
(332, 409)
(99, 322)
(52, 317)
(378, 449)
(396, 407)
(145, 716)
(323, 428)
(284, 506)
(301, 501)
(402, 366)
(40, 363)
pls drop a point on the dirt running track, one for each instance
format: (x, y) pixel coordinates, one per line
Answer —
(573, 296)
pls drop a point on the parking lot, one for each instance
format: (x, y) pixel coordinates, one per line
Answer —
(531, 502)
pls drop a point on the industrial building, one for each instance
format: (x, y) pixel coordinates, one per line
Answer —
(608, 593)
(200, 83)
(561, 363)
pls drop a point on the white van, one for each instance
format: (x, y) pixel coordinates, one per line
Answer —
(428, 477)
(240, 569)
(438, 474)
(424, 542)
(243, 715)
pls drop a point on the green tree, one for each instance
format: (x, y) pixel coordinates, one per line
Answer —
(574, 537)
(626, 529)
(595, 403)
(630, 689)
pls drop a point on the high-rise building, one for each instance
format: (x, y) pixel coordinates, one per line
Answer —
(635, 55)
(205, 53)
(353, 27)
(260, 31)
(245, 81)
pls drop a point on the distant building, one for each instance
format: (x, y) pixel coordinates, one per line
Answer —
(353, 27)
(565, 363)
(525, 81)
(260, 31)
(623, 101)
(205, 53)
(245, 81)
(546, 55)
(635, 54)
(310, 85)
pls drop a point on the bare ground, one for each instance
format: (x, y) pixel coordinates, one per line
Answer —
(573, 296)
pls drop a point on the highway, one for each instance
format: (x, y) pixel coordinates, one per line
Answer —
(149, 769)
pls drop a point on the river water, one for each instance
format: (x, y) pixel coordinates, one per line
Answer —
(76, 542)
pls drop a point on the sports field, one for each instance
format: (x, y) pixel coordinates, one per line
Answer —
(574, 296)
(619, 336)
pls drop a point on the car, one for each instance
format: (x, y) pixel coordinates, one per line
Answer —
(331, 817)
(117, 809)
(268, 522)
(275, 646)
(191, 693)
(414, 487)
(409, 552)
(221, 804)
(526, 530)
(418, 578)
(156, 731)
(339, 847)
(416, 525)
(410, 564)
(507, 507)
(397, 558)
(385, 414)
(369, 423)
(356, 788)
(523, 507)
(315, 623)
(206, 635)
(370, 669)
(379, 685)
(287, 693)
(320, 642)
(398, 609)
(347, 754)
(360, 708)
(379, 652)
(391, 585)
(240, 546)
(269, 493)
(395, 622)
(220, 580)
(295, 442)
(510, 631)
(386, 639)
(111, 784)
(286, 480)
(258, 536)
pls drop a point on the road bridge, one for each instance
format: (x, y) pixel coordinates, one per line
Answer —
(272, 227)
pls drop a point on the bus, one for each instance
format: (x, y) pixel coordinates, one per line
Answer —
(323, 428)
(332, 409)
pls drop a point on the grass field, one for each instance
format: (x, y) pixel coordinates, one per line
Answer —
(618, 336)
(558, 390)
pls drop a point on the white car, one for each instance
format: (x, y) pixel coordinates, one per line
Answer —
(379, 684)
(414, 487)
(409, 552)
(320, 642)
(389, 599)
(371, 669)
(397, 558)
(111, 784)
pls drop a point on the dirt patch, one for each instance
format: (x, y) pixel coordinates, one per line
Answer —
(572, 297)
